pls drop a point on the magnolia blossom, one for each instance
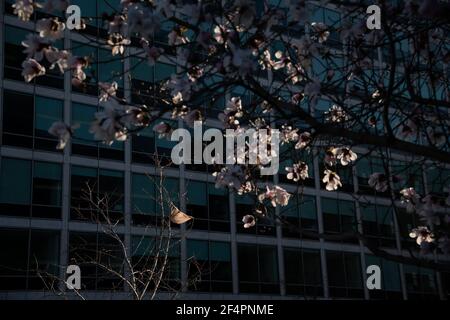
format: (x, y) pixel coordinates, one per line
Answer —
(332, 180)
(35, 47)
(76, 64)
(59, 59)
(378, 181)
(304, 139)
(164, 130)
(24, 9)
(336, 114)
(422, 234)
(220, 33)
(276, 195)
(346, 156)
(107, 126)
(288, 134)
(118, 43)
(180, 86)
(232, 112)
(176, 38)
(51, 29)
(410, 197)
(107, 90)
(321, 30)
(331, 156)
(233, 177)
(153, 53)
(63, 132)
(297, 171)
(193, 116)
(32, 69)
(249, 221)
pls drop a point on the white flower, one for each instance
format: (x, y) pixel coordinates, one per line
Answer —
(24, 9)
(297, 171)
(76, 64)
(304, 139)
(232, 112)
(118, 43)
(32, 69)
(378, 181)
(219, 33)
(330, 156)
(180, 84)
(164, 130)
(176, 38)
(51, 29)
(35, 46)
(233, 177)
(336, 114)
(59, 59)
(276, 195)
(288, 134)
(107, 90)
(410, 197)
(193, 116)
(332, 180)
(422, 234)
(346, 156)
(108, 126)
(63, 132)
(249, 221)
(153, 53)
(321, 30)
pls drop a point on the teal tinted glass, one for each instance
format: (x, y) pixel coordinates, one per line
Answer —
(47, 111)
(15, 184)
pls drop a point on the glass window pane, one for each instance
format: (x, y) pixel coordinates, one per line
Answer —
(197, 193)
(47, 183)
(143, 196)
(219, 251)
(268, 264)
(15, 184)
(47, 111)
(197, 250)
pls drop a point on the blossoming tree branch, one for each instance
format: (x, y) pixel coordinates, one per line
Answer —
(274, 65)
